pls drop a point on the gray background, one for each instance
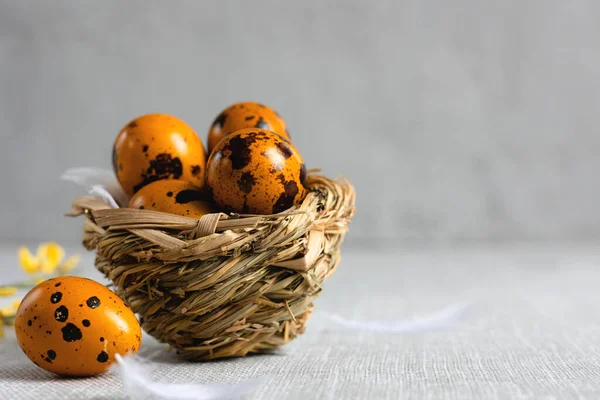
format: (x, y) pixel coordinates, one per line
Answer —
(474, 121)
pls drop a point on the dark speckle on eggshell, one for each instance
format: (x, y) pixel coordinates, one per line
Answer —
(195, 170)
(115, 159)
(246, 182)
(281, 178)
(284, 149)
(220, 120)
(163, 166)
(303, 175)
(93, 302)
(61, 314)
(261, 136)
(286, 199)
(56, 297)
(186, 196)
(240, 152)
(262, 124)
(71, 333)
(102, 357)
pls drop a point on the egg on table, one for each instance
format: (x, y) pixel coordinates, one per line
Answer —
(245, 115)
(157, 146)
(255, 171)
(75, 326)
(173, 196)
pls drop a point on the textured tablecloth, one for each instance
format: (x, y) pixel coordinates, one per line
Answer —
(532, 331)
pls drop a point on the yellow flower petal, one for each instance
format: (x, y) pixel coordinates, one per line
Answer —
(70, 263)
(50, 255)
(8, 291)
(7, 314)
(47, 267)
(28, 261)
(8, 311)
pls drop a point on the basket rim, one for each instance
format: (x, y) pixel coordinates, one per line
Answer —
(327, 210)
(94, 207)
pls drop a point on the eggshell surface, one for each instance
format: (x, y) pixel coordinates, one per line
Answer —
(154, 147)
(254, 171)
(75, 326)
(175, 197)
(245, 115)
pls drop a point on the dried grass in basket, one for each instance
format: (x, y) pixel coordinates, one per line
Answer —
(221, 286)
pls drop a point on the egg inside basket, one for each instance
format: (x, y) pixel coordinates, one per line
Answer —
(222, 285)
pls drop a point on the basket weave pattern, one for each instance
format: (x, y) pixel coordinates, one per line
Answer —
(224, 285)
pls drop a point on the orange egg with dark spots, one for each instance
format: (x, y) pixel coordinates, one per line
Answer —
(75, 326)
(255, 171)
(175, 197)
(245, 115)
(154, 147)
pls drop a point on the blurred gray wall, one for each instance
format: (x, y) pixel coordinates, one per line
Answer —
(467, 120)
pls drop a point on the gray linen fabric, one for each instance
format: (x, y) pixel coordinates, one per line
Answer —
(531, 332)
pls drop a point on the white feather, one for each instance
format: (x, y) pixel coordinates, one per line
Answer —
(429, 322)
(101, 193)
(135, 375)
(90, 177)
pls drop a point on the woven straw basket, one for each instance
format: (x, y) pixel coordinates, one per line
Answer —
(223, 285)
